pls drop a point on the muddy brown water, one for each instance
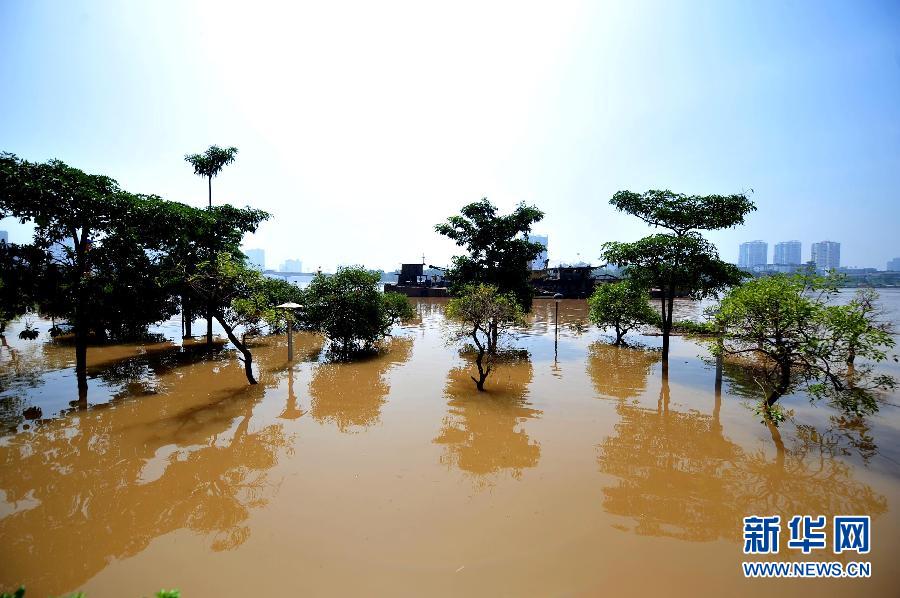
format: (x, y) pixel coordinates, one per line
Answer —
(581, 471)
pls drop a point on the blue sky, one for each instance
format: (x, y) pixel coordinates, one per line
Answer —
(361, 125)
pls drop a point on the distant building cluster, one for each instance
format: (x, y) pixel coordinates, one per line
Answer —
(787, 256)
(292, 266)
(542, 260)
(894, 265)
(256, 257)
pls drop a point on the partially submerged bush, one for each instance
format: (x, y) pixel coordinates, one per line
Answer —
(799, 340)
(622, 306)
(350, 311)
(483, 313)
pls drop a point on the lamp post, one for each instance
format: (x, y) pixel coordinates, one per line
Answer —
(287, 307)
(556, 298)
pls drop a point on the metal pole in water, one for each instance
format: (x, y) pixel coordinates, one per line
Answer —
(287, 307)
(290, 331)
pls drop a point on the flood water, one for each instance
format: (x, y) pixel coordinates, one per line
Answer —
(581, 471)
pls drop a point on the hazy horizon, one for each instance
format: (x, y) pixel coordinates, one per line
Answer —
(361, 126)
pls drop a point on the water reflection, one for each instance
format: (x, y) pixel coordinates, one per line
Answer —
(122, 370)
(102, 485)
(619, 372)
(482, 432)
(350, 395)
(679, 476)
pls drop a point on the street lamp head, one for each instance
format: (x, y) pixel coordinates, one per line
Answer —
(288, 305)
(558, 296)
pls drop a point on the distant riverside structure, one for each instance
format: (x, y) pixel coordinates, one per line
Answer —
(540, 262)
(894, 265)
(257, 258)
(4, 236)
(787, 253)
(292, 266)
(753, 253)
(826, 255)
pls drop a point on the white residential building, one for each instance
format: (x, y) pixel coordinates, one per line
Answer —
(753, 253)
(826, 255)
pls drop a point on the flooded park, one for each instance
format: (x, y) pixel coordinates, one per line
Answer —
(582, 470)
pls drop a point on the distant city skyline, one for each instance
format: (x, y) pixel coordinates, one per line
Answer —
(360, 127)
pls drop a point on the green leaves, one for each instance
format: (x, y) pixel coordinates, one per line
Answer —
(350, 311)
(683, 213)
(211, 162)
(798, 339)
(481, 306)
(622, 306)
(689, 264)
(498, 247)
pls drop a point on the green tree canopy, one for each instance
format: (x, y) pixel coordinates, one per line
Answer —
(792, 338)
(682, 213)
(108, 261)
(621, 306)
(483, 312)
(674, 264)
(498, 246)
(211, 162)
(350, 311)
(680, 262)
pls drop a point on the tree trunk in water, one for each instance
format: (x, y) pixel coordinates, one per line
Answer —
(209, 320)
(81, 364)
(248, 357)
(665, 331)
(784, 383)
(493, 334)
(188, 316)
(667, 323)
(482, 371)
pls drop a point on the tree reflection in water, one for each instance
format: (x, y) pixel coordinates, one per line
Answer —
(350, 394)
(619, 372)
(104, 484)
(680, 477)
(482, 432)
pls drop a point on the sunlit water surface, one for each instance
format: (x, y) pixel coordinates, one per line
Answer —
(580, 471)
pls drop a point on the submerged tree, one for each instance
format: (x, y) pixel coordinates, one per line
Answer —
(209, 164)
(680, 262)
(483, 313)
(242, 299)
(793, 338)
(859, 328)
(350, 311)
(498, 246)
(95, 244)
(109, 262)
(621, 306)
